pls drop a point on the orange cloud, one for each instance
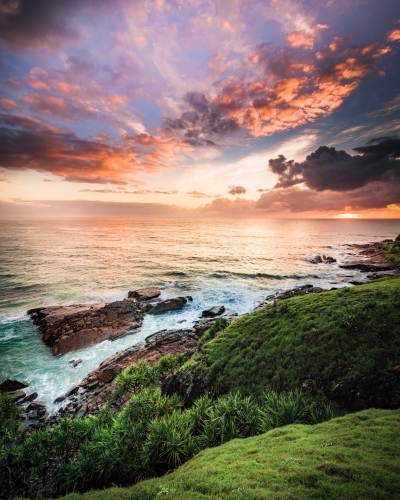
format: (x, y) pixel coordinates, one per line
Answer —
(394, 35)
(293, 91)
(300, 39)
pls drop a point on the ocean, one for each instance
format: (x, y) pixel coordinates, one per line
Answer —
(230, 262)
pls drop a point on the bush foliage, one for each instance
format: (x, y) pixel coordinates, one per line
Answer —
(151, 435)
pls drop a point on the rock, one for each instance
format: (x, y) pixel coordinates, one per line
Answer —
(17, 395)
(30, 397)
(148, 293)
(13, 385)
(82, 411)
(299, 290)
(74, 390)
(189, 385)
(214, 311)
(32, 414)
(69, 328)
(168, 305)
(75, 362)
(316, 260)
(59, 399)
(37, 405)
(190, 298)
(328, 259)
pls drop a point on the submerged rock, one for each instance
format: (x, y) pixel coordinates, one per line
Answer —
(214, 311)
(69, 328)
(148, 293)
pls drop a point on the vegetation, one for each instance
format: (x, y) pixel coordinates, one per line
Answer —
(151, 435)
(351, 457)
(392, 253)
(257, 363)
(357, 327)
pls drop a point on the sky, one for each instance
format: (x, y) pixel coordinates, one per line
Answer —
(192, 108)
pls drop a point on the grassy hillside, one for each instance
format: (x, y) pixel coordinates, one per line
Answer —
(392, 253)
(356, 328)
(350, 457)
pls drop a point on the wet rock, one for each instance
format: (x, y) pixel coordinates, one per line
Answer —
(17, 395)
(13, 385)
(30, 397)
(32, 414)
(148, 293)
(190, 298)
(75, 362)
(214, 311)
(59, 399)
(39, 406)
(174, 304)
(74, 390)
(316, 260)
(328, 260)
(69, 328)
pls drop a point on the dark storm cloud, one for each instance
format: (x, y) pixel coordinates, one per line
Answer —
(331, 169)
(203, 121)
(32, 23)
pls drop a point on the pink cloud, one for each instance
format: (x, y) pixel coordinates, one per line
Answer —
(8, 104)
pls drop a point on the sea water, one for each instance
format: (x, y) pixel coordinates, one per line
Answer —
(230, 262)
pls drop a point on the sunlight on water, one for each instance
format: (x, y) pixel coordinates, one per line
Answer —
(231, 262)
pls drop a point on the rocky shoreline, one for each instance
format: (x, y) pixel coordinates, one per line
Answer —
(67, 328)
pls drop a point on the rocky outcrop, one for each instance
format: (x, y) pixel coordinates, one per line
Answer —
(142, 294)
(174, 304)
(69, 328)
(189, 385)
(214, 311)
(294, 292)
(326, 259)
(368, 257)
(12, 385)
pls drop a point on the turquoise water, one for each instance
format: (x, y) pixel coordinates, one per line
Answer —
(231, 262)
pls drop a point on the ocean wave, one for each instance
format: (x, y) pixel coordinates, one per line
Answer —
(278, 277)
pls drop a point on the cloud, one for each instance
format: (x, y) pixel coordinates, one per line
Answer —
(27, 144)
(394, 35)
(86, 208)
(58, 107)
(330, 169)
(32, 24)
(293, 87)
(293, 199)
(198, 194)
(236, 190)
(202, 122)
(139, 191)
(8, 104)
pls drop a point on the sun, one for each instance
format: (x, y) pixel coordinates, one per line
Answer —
(347, 216)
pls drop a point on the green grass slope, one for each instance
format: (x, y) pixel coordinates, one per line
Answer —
(348, 458)
(392, 253)
(356, 328)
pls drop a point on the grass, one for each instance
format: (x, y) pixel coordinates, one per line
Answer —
(351, 457)
(392, 253)
(356, 328)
